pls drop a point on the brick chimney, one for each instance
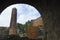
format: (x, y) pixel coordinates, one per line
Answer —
(12, 29)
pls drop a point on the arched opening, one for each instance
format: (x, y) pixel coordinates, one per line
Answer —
(20, 9)
(50, 13)
(28, 18)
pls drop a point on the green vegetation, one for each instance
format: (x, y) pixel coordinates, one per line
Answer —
(23, 28)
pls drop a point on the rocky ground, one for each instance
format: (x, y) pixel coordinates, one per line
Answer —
(14, 37)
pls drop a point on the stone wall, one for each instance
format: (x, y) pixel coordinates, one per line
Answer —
(52, 23)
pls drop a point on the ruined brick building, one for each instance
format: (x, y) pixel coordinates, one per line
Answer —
(37, 25)
(38, 22)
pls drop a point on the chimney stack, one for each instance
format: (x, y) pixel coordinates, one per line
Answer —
(12, 29)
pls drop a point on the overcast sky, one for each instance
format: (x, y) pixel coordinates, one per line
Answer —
(24, 13)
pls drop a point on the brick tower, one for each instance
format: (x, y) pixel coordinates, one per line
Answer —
(12, 29)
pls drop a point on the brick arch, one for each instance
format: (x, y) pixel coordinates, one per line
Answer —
(18, 2)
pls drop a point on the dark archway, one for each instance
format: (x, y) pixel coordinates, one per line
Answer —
(49, 9)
